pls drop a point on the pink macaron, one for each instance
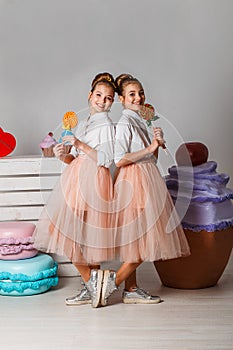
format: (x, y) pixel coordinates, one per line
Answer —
(16, 240)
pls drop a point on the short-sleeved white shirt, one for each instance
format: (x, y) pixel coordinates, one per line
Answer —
(131, 135)
(98, 132)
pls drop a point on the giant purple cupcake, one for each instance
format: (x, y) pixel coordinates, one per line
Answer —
(210, 206)
(204, 204)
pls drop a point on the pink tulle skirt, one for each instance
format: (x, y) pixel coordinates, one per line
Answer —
(147, 225)
(76, 220)
(88, 222)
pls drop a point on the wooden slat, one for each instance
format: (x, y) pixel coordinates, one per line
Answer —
(30, 165)
(20, 213)
(24, 198)
(25, 185)
(28, 183)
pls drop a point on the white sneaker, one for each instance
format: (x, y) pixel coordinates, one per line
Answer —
(82, 298)
(109, 286)
(139, 296)
(94, 286)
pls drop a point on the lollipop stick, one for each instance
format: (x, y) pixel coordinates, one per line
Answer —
(161, 142)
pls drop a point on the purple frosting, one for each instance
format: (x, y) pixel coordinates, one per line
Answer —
(200, 194)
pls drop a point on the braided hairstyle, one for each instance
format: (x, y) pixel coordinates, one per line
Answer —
(123, 80)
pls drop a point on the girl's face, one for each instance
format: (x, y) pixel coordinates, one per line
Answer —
(101, 99)
(133, 96)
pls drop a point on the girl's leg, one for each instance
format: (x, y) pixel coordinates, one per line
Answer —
(94, 267)
(127, 272)
(92, 279)
(113, 279)
(85, 270)
(134, 295)
(83, 297)
(131, 282)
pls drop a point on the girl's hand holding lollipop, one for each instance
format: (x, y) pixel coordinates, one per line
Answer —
(72, 140)
(148, 114)
(70, 121)
(158, 134)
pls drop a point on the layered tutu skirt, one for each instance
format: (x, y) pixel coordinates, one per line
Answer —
(88, 222)
(76, 221)
(147, 225)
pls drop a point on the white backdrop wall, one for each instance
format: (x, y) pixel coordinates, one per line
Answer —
(181, 50)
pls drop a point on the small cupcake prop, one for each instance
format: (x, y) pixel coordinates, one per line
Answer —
(69, 121)
(47, 145)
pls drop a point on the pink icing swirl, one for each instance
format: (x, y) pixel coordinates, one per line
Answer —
(48, 141)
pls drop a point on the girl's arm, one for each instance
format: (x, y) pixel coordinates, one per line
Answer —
(153, 148)
(156, 153)
(158, 134)
(104, 153)
(133, 157)
(61, 155)
(92, 153)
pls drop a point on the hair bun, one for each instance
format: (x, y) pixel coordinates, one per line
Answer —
(103, 77)
(123, 77)
(123, 80)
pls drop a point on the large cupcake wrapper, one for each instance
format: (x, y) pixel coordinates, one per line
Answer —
(207, 214)
(20, 287)
(209, 228)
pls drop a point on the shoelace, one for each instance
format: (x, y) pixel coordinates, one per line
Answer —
(141, 291)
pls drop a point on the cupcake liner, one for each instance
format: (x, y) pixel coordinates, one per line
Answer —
(48, 152)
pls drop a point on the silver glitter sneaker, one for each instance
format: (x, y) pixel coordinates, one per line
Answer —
(139, 296)
(82, 298)
(94, 286)
(109, 286)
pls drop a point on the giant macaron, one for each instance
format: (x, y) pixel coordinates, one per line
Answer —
(28, 276)
(16, 240)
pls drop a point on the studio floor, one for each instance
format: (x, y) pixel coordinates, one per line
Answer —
(186, 319)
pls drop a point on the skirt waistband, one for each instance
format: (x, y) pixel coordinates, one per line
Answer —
(151, 159)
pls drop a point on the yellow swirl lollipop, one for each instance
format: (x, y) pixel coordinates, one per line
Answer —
(70, 120)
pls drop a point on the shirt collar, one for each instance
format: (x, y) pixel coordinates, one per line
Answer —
(96, 116)
(134, 115)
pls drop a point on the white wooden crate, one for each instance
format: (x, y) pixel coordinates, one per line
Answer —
(25, 185)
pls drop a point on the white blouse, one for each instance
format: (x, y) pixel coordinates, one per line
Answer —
(131, 135)
(98, 132)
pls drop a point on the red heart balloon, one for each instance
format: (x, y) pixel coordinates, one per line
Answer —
(7, 143)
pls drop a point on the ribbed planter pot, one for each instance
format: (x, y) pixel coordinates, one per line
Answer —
(210, 253)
